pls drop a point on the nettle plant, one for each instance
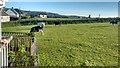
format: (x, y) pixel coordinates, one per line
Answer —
(21, 57)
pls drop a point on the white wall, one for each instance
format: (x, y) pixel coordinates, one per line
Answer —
(5, 18)
(43, 16)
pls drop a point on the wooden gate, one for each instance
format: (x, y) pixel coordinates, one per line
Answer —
(19, 39)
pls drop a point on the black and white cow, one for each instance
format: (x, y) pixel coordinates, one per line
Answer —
(38, 28)
(114, 22)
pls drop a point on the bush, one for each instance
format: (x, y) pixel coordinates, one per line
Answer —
(21, 58)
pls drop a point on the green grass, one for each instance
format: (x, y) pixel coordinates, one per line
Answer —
(76, 44)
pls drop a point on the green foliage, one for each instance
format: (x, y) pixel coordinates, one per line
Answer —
(22, 57)
(11, 55)
(33, 21)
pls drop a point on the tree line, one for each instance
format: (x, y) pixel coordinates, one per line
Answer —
(63, 21)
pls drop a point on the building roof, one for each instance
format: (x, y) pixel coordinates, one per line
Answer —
(14, 11)
(5, 9)
(11, 9)
(4, 13)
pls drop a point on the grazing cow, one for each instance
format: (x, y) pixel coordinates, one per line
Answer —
(57, 23)
(38, 28)
(113, 22)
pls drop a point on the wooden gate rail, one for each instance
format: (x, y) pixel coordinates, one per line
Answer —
(22, 34)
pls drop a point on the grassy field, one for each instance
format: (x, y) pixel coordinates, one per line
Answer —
(93, 44)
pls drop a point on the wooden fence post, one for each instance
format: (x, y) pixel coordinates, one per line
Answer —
(4, 53)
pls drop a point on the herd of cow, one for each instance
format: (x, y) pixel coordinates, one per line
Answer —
(41, 25)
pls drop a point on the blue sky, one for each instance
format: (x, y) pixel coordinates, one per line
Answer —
(63, 0)
(106, 9)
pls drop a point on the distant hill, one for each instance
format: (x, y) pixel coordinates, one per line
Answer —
(49, 14)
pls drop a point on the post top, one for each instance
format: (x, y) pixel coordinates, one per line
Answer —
(6, 41)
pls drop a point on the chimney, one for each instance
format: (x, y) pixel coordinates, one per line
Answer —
(12, 8)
